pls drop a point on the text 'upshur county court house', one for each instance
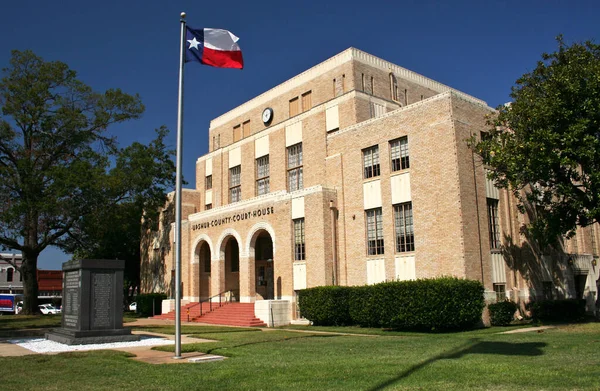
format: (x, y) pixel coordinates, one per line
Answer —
(354, 172)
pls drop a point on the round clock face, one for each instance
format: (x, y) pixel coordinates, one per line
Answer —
(267, 115)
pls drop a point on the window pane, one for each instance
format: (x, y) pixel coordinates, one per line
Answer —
(375, 243)
(371, 162)
(299, 244)
(403, 225)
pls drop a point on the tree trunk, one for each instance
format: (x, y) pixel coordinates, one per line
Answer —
(30, 284)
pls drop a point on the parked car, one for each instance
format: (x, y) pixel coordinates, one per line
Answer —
(133, 307)
(48, 309)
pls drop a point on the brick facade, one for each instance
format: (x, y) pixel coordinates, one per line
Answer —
(372, 102)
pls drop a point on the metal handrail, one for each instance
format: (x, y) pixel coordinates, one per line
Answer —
(224, 297)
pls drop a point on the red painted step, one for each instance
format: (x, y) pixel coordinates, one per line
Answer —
(230, 314)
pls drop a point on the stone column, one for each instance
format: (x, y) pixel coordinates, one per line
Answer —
(247, 279)
(217, 280)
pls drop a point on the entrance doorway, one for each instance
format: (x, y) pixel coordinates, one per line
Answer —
(204, 269)
(232, 267)
(263, 258)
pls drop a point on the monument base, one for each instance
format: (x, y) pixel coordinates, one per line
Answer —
(73, 337)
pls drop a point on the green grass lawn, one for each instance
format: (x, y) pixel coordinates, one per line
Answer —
(564, 358)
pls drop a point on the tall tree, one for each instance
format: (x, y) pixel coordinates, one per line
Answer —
(147, 171)
(54, 157)
(545, 144)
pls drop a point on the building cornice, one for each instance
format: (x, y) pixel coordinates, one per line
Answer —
(277, 196)
(326, 66)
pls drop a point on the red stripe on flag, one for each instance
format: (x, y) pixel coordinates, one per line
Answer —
(222, 58)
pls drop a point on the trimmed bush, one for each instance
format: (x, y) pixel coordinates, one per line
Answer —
(145, 303)
(567, 310)
(502, 312)
(445, 303)
(325, 305)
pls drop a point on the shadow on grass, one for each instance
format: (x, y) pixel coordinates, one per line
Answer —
(473, 346)
(283, 339)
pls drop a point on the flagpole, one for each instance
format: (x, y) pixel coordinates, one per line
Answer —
(178, 196)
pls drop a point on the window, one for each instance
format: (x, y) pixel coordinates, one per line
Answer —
(294, 107)
(399, 154)
(371, 162)
(299, 245)
(500, 290)
(393, 87)
(494, 227)
(403, 223)
(547, 290)
(10, 274)
(208, 207)
(295, 167)
(374, 232)
(362, 81)
(246, 129)
(235, 189)
(307, 101)
(237, 133)
(208, 182)
(262, 175)
(372, 86)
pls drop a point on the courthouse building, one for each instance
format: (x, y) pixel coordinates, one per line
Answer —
(354, 172)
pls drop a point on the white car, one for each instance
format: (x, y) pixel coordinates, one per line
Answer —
(48, 309)
(133, 306)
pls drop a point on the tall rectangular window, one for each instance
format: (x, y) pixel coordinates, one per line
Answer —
(299, 240)
(294, 107)
(500, 290)
(294, 166)
(235, 188)
(208, 182)
(371, 162)
(246, 129)
(374, 232)
(237, 133)
(307, 101)
(399, 154)
(403, 224)
(10, 274)
(262, 175)
(547, 290)
(493, 223)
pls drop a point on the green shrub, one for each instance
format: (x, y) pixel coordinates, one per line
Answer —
(150, 304)
(439, 304)
(502, 312)
(325, 305)
(567, 310)
(445, 303)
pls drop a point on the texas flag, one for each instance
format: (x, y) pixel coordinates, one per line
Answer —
(214, 47)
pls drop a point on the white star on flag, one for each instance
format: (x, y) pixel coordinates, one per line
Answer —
(193, 43)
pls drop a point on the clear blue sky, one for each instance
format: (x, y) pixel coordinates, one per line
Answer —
(479, 47)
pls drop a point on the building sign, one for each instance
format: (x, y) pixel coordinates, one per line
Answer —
(234, 218)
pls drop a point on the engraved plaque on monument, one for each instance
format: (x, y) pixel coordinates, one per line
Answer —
(92, 303)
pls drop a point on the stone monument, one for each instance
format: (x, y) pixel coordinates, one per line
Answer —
(92, 310)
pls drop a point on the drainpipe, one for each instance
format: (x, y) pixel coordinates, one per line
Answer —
(333, 211)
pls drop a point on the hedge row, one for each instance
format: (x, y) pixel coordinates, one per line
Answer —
(567, 310)
(445, 303)
(502, 312)
(150, 304)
